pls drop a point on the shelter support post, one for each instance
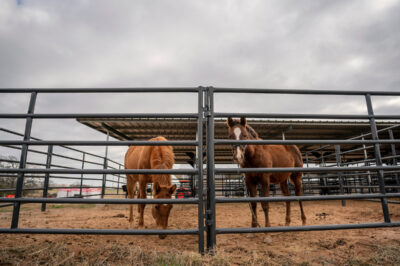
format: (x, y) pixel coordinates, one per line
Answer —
(22, 161)
(378, 158)
(340, 174)
(47, 175)
(394, 161)
(83, 167)
(118, 182)
(366, 163)
(105, 166)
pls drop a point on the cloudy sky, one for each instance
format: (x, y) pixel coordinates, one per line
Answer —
(343, 45)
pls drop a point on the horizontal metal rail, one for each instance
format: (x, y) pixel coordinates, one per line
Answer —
(303, 170)
(100, 231)
(306, 198)
(101, 90)
(68, 148)
(57, 155)
(102, 201)
(102, 143)
(64, 177)
(37, 164)
(299, 142)
(97, 115)
(304, 228)
(41, 188)
(359, 137)
(307, 116)
(100, 171)
(305, 92)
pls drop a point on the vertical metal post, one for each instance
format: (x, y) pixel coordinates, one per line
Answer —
(307, 175)
(103, 185)
(378, 158)
(394, 161)
(83, 166)
(325, 179)
(210, 211)
(367, 164)
(22, 161)
(199, 156)
(47, 175)
(119, 176)
(340, 174)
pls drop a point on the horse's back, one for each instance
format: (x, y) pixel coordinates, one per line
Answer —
(132, 157)
(282, 156)
(162, 157)
(295, 152)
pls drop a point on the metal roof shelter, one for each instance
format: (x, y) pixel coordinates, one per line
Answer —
(185, 129)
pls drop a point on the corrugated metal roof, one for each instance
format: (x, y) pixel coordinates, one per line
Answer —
(185, 129)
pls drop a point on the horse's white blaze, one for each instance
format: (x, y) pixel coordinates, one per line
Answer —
(237, 133)
(165, 205)
(238, 154)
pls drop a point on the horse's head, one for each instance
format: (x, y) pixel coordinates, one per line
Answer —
(240, 130)
(161, 211)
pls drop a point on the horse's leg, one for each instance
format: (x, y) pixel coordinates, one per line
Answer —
(252, 189)
(296, 178)
(142, 195)
(265, 193)
(285, 190)
(130, 187)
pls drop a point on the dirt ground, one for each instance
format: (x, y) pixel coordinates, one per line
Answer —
(351, 247)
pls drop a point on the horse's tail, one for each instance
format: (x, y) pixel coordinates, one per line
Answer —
(162, 157)
(298, 162)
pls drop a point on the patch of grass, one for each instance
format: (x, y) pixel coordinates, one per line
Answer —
(117, 254)
(80, 206)
(58, 206)
(383, 255)
(51, 254)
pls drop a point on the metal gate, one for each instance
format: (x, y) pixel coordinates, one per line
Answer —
(206, 199)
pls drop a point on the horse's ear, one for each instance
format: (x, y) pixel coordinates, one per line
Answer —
(243, 121)
(229, 121)
(172, 189)
(157, 187)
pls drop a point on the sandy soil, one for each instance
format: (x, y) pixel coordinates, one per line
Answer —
(305, 248)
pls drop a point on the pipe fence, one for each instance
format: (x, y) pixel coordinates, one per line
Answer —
(207, 196)
(82, 158)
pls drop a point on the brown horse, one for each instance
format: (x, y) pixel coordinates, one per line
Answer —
(151, 157)
(268, 156)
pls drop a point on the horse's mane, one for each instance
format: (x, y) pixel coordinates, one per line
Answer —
(252, 132)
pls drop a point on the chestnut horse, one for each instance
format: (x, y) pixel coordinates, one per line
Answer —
(151, 157)
(268, 156)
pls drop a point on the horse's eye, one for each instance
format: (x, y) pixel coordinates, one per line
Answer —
(157, 207)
